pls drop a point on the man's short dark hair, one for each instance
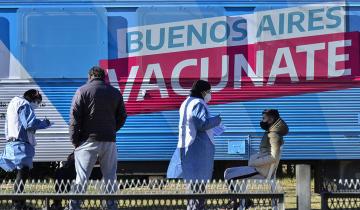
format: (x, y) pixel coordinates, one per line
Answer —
(274, 113)
(97, 72)
(32, 95)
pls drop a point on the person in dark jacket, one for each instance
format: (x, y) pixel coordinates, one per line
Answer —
(97, 113)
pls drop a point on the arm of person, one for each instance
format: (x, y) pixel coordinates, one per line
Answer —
(253, 157)
(271, 158)
(201, 121)
(120, 113)
(29, 120)
(75, 118)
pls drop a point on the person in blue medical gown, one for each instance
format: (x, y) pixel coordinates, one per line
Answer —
(20, 127)
(193, 158)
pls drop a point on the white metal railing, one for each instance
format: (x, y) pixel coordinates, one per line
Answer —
(144, 194)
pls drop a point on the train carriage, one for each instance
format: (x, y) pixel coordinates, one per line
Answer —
(301, 57)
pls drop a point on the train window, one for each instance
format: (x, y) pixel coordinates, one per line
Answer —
(353, 18)
(158, 15)
(62, 42)
(232, 11)
(4, 48)
(153, 32)
(119, 19)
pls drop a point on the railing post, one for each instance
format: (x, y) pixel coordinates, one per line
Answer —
(47, 204)
(303, 186)
(324, 199)
(281, 204)
(249, 146)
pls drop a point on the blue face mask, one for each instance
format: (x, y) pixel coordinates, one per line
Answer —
(34, 105)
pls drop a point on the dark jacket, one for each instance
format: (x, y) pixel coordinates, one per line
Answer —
(97, 113)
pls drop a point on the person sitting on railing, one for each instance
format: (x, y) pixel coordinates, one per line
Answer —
(20, 127)
(260, 163)
(263, 164)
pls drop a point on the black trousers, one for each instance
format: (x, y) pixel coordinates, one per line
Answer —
(21, 177)
(64, 175)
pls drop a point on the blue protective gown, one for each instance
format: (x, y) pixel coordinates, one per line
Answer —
(20, 124)
(193, 158)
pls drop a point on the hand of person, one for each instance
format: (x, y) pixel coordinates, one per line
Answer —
(48, 123)
(219, 116)
(218, 119)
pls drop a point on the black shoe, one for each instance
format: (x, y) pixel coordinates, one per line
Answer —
(29, 208)
(19, 205)
(248, 203)
(22, 207)
(235, 205)
(56, 207)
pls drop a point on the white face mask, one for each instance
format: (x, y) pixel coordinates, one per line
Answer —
(207, 97)
(34, 105)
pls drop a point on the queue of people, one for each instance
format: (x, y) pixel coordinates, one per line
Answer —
(98, 112)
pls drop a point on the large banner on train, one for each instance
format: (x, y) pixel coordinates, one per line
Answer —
(261, 55)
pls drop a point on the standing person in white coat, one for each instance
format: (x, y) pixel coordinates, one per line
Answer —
(193, 158)
(20, 127)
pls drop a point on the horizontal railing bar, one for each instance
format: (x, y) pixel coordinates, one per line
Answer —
(139, 196)
(342, 194)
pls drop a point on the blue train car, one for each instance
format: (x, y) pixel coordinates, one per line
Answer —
(301, 57)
